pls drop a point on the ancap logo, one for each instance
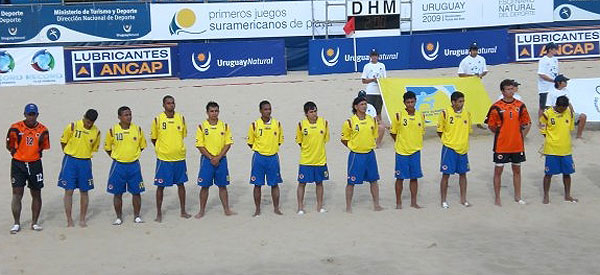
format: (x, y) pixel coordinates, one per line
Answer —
(201, 61)
(330, 57)
(430, 51)
(182, 22)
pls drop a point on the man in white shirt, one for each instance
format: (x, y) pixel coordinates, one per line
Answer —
(473, 64)
(560, 89)
(547, 72)
(372, 71)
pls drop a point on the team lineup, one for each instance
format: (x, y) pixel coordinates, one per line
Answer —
(508, 119)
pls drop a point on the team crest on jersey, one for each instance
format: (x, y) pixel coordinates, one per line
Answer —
(353, 178)
(419, 124)
(134, 138)
(222, 133)
(178, 127)
(200, 180)
(500, 156)
(274, 133)
(253, 178)
(444, 167)
(326, 173)
(91, 141)
(91, 182)
(322, 132)
(398, 172)
(301, 176)
(465, 122)
(63, 182)
(547, 169)
(110, 187)
(13, 180)
(37, 135)
(567, 121)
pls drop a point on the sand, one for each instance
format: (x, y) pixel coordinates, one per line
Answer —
(484, 239)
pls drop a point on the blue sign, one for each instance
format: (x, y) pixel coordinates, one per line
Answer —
(118, 64)
(74, 23)
(567, 10)
(229, 59)
(448, 49)
(327, 56)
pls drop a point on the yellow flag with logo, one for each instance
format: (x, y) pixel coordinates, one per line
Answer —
(433, 96)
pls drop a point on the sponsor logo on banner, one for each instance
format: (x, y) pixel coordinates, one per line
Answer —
(432, 99)
(429, 50)
(32, 66)
(571, 44)
(244, 58)
(373, 7)
(567, 10)
(184, 21)
(584, 95)
(330, 56)
(110, 64)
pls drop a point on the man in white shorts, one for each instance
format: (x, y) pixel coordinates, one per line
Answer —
(560, 89)
(547, 72)
(473, 64)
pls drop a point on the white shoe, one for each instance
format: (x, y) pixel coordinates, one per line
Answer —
(300, 212)
(117, 222)
(322, 210)
(521, 202)
(15, 228)
(445, 205)
(37, 227)
(138, 220)
(466, 204)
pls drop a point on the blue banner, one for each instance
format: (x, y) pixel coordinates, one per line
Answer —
(119, 64)
(568, 10)
(327, 56)
(74, 23)
(229, 59)
(448, 49)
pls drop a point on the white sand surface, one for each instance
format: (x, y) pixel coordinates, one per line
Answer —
(559, 238)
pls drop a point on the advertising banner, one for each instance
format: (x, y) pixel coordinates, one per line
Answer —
(568, 10)
(584, 95)
(327, 56)
(433, 96)
(74, 23)
(241, 20)
(32, 66)
(458, 14)
(448, 49)
(118, 64)
(531, 46)
(228, 59)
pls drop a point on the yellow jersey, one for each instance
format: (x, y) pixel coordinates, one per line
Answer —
(312, 139)
(455, 128)
(80, 142)
(557, 129)
(213, 137)
(125, 145)
(265, 138)
(360, 134)
(169, 134)
(409, 131)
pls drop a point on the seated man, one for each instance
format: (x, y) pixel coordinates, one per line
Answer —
(560, 89)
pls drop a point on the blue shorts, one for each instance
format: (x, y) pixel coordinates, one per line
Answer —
(409, 167)
(453, 162)
(559, 165)
(265, 166)
(125, 177)
(168, 173)
(76, 174)
(311, 173)
(209, 174)
(362, 167)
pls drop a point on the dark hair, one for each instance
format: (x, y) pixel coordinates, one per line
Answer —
(456, 96)
(309, 106)
(263, 103)
(167, 97)
(211, 104)
(91, 114)
(122, 109)
(408, 95)
(508, 82)
(356, 101)
(562, 101)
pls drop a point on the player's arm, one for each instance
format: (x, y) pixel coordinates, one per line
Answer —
(543, 124)
(251, 138)
(493, 119)
(200, 143)
(108, 142)
(96, 143)
(462, 70)
(365, 77)
(299, 135)
(67, 134)
(280, 137)
(184, 126)
(394, 126)
(225, 149)
(154, 131)
(346, 132)
(525, 121)
(326, 131)
(143, 143)
(11, 140)
(441, 123)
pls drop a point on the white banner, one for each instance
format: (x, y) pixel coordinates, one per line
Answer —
(584, 95)
(241, 20)
(457, 14)
(32, 66)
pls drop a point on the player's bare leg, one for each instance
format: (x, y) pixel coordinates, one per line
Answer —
(497, 182)
(414, 187)
(444, 188)
(547, 180)
(275, 197)
(68, 202)
(349, 194)
(118, 204)
(516, 169)
(257, 196)
(398, 187)
(83, 207)
(181, 193)
(567, 183)
(375, 194)
(224, 196)
(581, 125)
(36, 207)
(462, 184)
(203, 199)
(15, 205)
(136, 200)
(159, 199)
(300, 196)
(319, 191)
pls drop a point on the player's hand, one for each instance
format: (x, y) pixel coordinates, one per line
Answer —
(215, 161)
(13, 151)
